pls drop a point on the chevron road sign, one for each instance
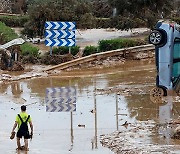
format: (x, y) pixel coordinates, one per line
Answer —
(54, 107)
(60, 25)
(59, 34)
(62, 91)
(60, 42)
(60, 99)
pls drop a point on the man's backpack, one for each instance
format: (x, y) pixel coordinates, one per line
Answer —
(23, 127)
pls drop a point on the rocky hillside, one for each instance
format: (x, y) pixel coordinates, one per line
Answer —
(5, 6)
(13, 6)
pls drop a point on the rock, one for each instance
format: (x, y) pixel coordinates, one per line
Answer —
(176, 134)
(17, 66)
(177, 130)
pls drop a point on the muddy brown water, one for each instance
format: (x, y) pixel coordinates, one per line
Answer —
(79, 132)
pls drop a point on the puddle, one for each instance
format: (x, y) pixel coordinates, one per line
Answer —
(107, 101)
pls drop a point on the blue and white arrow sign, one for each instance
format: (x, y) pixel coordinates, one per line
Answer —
(61, 91)
(60, 25)
(60, 99)
(54, 107)
(60, 34)
(60, 42)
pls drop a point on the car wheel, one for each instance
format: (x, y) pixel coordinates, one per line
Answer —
(156, 95)
(155, 37)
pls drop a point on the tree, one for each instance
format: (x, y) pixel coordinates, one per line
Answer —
(146, 10)
(137, 6)
(101, 9)
(52, 10)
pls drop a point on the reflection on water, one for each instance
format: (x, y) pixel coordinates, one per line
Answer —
(165, 116)
(96, 114)
(167, 113)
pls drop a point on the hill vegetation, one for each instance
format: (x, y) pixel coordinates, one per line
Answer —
(120, 14)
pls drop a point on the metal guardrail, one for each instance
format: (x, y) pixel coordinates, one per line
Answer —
(11, 43)
(124, 51)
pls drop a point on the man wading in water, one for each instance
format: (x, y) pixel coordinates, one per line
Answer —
(22, 121)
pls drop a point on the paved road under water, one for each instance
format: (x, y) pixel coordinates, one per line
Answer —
(79, 132)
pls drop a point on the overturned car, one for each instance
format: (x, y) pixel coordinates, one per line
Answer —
(166, 38)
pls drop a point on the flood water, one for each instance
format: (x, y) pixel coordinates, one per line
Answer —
(99, 109)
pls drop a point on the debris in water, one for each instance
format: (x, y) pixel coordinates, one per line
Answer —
(176, 134)
(125, 124)
(83, 126)
(92, 111)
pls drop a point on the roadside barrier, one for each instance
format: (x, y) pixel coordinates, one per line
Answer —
(9, 14)
(121, 52)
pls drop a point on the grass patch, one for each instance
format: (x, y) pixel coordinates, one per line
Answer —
(6, 33)
(28, 49)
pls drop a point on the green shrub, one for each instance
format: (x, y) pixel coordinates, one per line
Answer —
(103, 22)
(29, 30)
(176, 19)
(28, 49)
(75, 50)
(6, 33)
(61, 50)
(106, 45)
(86, 21)
(88, 50)
(14, 21)
(125, 23)
(138, 23)
(65, 50)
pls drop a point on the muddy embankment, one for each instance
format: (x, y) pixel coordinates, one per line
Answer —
(84, 38)
(34, 70)
(138, 128)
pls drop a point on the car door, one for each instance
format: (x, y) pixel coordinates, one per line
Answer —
(176, 62)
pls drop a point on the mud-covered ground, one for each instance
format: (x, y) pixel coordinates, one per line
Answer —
(114, 113)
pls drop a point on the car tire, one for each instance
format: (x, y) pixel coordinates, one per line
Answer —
(158, 37)
(165, 91)
(156, 95)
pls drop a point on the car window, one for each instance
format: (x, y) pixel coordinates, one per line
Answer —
(176, 59)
